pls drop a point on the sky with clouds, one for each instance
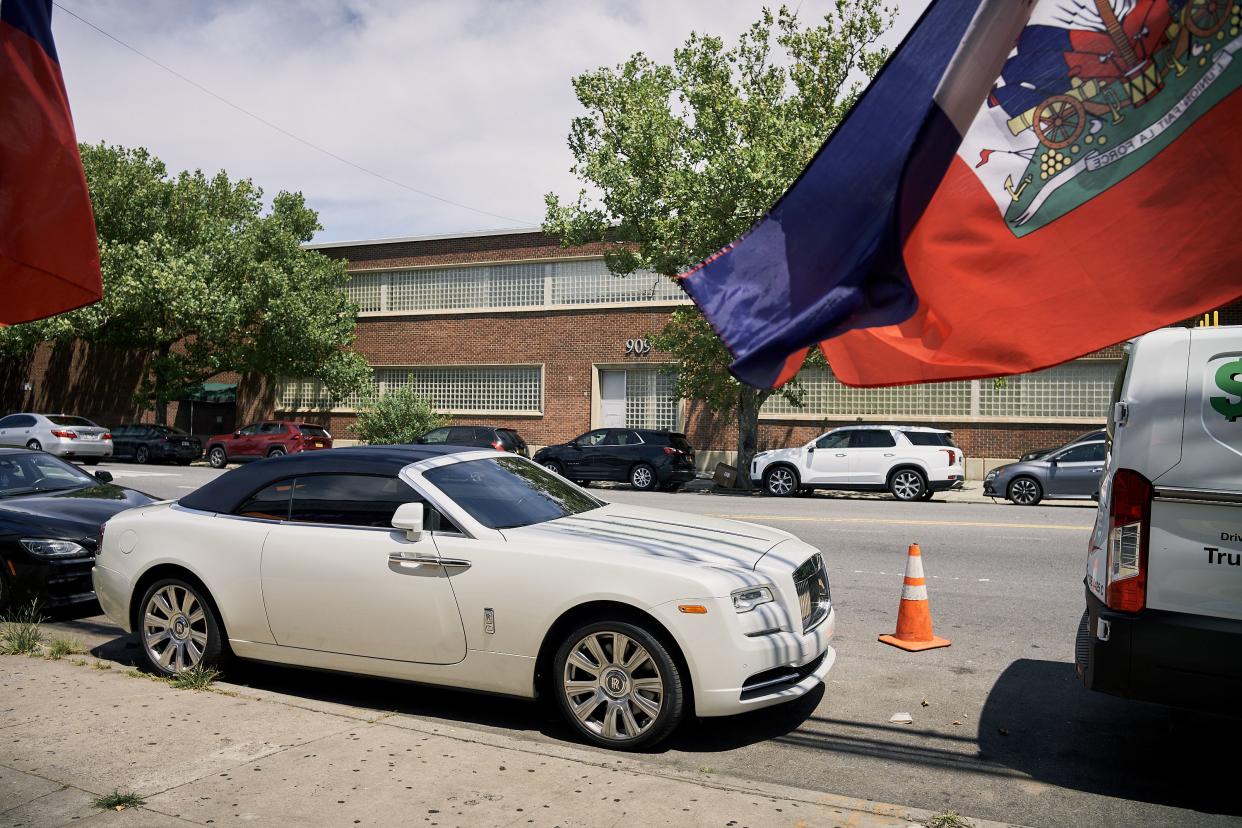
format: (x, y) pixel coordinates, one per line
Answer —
(468, 99)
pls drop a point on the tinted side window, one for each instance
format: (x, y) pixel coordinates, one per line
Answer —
(617, 438)
(928, 438)
(9, 421)
(463, 436)
(272, 428)
(271, 503)
(871, 438)
(436, 436)
(249, 430)
(1089, 452)
(593, 438)
(349, 499)
(838, 439)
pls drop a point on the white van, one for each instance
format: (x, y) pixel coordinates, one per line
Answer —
(1164, 568)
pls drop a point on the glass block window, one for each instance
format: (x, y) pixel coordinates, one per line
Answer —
(650, 399)
(519, 285)
(305, 394)
(508, 389)
(825, 396)
(1076, 389)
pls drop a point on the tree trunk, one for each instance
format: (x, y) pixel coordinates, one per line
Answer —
(160, 384)
(748, 403)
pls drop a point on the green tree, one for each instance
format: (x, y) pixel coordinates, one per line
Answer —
(400, 416)
(681, 159)
(199, 280)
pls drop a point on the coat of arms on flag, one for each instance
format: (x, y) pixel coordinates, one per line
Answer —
(1091, 92)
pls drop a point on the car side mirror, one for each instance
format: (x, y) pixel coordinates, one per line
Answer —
(572, 444)
(1052, 461)
(409, 516)
(103, 476)
(236, 433)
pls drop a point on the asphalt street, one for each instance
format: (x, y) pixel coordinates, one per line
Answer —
(1002, 729)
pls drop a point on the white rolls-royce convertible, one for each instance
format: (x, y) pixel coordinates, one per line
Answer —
(477, 570)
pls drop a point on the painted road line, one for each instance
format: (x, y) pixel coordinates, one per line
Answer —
(904, 522)
(131, 473)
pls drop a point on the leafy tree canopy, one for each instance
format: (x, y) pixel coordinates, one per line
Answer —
(199, 280)
(681, 159)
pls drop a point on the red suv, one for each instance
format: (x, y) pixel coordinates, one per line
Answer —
(268, 439)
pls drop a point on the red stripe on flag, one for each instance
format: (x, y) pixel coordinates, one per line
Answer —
(49, 255)
(1157, 248)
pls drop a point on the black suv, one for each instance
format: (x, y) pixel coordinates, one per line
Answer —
(501, 439)
(645, 457)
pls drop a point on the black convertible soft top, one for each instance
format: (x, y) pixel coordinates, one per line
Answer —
(230, 490)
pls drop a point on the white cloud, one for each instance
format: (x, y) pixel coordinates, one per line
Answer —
(469, 99)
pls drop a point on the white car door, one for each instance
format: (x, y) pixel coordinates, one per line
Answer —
(872, 452)
(828, 462)
(330, 582)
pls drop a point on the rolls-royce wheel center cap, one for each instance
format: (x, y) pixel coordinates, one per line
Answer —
(615, 683)
(180, 627)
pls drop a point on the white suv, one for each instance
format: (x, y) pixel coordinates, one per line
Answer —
(912, 462)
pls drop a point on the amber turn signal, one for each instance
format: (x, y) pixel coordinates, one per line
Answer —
(692, 609)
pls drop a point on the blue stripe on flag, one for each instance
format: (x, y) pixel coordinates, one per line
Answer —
(34, 18)
(807, 272)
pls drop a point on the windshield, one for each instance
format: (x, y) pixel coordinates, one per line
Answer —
(507, 492)
(67, 420)
(37, 472)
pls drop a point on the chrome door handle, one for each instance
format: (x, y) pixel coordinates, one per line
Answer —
(840, 455)
(448, 563)
(888, 454)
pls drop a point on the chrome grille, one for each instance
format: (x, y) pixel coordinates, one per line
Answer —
(814, 596)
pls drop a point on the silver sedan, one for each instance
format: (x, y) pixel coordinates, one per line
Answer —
(1069, 472)
(64, 435)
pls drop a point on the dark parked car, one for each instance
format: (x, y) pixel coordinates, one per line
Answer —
(273, 438)
(1072, 471)
(501, 439)
(145, 443)
(1090, 436)
(647, 458)
(50, 514)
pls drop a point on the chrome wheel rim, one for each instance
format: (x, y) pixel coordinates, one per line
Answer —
(613, 686)
(1023, 491)
(276, 452)
(217, 457)
(907, 485)
(140, 456)
(174, 629)
(781, 482)
(641, 477)
(552, 467)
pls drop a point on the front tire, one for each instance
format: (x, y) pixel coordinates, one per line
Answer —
(907, 485)
(178, 630)
(217, 458)
(618, 686)
(643, 478)
(1025, 491)
(780, 481)
(142, 455)
(277, 452)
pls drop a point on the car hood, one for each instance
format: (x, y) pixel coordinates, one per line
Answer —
(660, 533)
(781, 454)
(1027, 466)
(76, 512)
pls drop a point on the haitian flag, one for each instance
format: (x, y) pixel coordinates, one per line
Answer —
(1057, 178)
(49, 255)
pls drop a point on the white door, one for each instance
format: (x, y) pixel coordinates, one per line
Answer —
(872, 453)
(334, 587)
(612, 398)
(829, 462)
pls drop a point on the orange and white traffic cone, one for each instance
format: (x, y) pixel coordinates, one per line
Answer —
(914, 624)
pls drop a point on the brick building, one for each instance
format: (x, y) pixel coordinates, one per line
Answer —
(508, 328)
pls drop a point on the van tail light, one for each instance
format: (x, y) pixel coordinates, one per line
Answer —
(499, 446)
(68, 435)
(1129, 525)
(952, 456)
(671, 450)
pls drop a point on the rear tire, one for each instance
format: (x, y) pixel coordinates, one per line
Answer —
(178, 629)
(1025, 491)
(643, 478)
(780, 481)
(622, 689)
(34, 445)
(142, 455)
(277, 452)
(217, 458)
(907, 485)
(554, 467)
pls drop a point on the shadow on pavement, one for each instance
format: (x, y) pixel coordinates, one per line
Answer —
(1039, 720)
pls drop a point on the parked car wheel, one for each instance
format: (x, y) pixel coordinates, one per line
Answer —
(34, 445)
(617, 685)
(277, 452)
(1025, 491)
(907, 484)
(217, 458)
(643, 477)
(179, 630)
(780, 481)
(142, 455)
(554, 467)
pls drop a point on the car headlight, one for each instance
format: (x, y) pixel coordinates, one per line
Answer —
(53, 548)
(745, 600)
(991, 475)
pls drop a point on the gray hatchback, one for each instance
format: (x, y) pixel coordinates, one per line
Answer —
(1071, 471)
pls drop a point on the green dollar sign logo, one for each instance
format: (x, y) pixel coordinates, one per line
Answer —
(1227, 380)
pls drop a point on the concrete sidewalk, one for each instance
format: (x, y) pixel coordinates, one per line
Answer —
(74, 729)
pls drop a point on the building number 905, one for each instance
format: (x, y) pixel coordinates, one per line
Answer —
(637, 347)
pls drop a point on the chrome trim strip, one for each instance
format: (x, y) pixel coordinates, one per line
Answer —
(1208, 496)
(820, 615)
(785, 679)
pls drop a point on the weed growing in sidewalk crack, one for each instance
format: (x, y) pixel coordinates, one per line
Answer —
(78, 662)
(196, 678)
(949, 819)
(21, 634)
(61, 647)
(118, 801)
(102, 665)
